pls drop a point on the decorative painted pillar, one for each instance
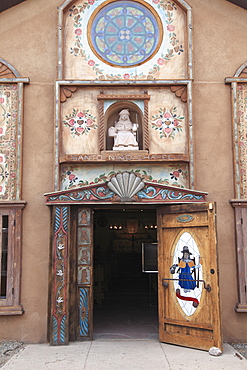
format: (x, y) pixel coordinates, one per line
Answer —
(59, 319)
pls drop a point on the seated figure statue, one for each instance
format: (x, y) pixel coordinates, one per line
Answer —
(124, 132)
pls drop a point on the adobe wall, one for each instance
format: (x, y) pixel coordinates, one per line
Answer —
(28, 42)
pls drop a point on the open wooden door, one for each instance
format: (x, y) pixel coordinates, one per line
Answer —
(189, 310)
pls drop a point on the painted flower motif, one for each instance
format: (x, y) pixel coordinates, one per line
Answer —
(170, 27)
(159, 122)
(80, 114)
(91, 63)
(80, 129)
(126, 76)
(71, 177)
(80, 122)
(175, 174)
(161, 61)
(1, 100)
(1, 130)
(1, 189)
(91, 2)
(167, 115)
(89, 122)
(167, 122)
(78, 32)
(71, 122)
(156, 1)
(167, 130)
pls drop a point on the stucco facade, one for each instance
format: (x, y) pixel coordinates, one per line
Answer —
(29, 43)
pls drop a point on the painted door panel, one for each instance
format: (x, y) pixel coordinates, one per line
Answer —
(84, 292)
(189, 313)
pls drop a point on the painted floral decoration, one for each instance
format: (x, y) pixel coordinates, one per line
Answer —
(80, 122)
(167, 122)
(69, 176)
(175, 48)
(242, 140)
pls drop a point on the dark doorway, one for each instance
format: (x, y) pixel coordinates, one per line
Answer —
(125, 297)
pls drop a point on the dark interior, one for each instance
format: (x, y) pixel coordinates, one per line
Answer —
(125, 297)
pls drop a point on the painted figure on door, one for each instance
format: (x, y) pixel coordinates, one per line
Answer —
(186, 267)
(124, 132)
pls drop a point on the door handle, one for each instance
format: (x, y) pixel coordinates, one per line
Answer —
(207, 287)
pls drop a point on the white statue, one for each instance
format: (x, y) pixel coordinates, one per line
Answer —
(124, 132)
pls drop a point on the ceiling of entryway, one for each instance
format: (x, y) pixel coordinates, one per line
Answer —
(6, 4)
(241, 3)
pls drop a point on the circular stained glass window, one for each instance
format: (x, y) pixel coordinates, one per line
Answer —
(125, 33)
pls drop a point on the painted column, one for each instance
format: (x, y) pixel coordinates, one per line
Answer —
(59, 321)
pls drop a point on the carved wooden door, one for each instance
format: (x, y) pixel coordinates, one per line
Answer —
(189, 312)
(84, 291)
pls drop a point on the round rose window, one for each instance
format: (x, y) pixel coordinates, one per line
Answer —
(125, 33)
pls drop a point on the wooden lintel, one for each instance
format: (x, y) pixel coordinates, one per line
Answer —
(120, 157)
(123, 97)
(13, 204)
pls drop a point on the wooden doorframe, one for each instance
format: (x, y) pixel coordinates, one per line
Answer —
(61, 242)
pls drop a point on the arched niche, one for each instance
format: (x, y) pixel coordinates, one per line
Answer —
(109, 108)
(112, 116)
